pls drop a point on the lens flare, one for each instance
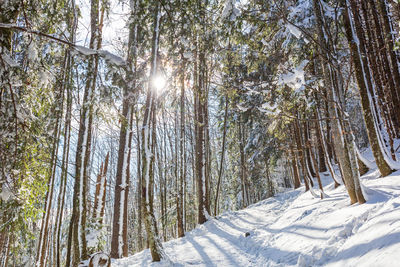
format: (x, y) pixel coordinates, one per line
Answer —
(158, 82)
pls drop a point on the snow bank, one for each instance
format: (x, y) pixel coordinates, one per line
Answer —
(296, 229)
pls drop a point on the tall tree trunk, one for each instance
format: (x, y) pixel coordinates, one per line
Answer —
(179, 205)
(334, 103)
(199, 123)
(243, 169)
(42, 245)
(163, 174)
(381, 77)
(66, 148)
(307, 151)
(389, 81)
(328, 159)
(364, 81)
(148, 139)
(77, 231)
(315, 164)
(139, 185)
(119, 240)
(296, 176)
(300, 151)
(389, 40)
(207, 151)
(222, 155)
(321, 154)
(100, 193)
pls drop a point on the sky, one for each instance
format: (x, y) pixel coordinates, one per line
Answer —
(114, 31)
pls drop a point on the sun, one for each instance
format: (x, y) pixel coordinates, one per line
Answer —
(158, 82)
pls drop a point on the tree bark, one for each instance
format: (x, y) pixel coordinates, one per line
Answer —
(77, 231)
(315, 164)
(334, 103)
(42, 245)
(148, 139)
(180, 208)
(296, 176)
(199, 125)
(390, 43)
(364, 81)
(119, 240)
(300, 151)
(222, 156)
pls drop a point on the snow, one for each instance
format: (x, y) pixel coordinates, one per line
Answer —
(329, 11)
(112, 58)
(296, 229)
(92, 238)
(188, 55)
(364, 158)
(6, 57)
(44, 78)
(295, 78)
(108, 56)
(32, 52)
(241, 108)
(268, 106)
(294, 30)
(230, 11)
(5, 193)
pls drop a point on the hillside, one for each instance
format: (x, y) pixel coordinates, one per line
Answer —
(295, 229)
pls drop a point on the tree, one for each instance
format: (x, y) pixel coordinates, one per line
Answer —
(364, 81)
(148, 145)
(119, 244)
(77, 245)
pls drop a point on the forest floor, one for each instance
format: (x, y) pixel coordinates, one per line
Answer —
(296, 229)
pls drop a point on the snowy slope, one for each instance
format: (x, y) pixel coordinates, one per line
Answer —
(295, 229)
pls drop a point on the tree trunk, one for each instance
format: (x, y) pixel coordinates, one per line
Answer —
(243, 170)
(42, 246)
(139, 185)
(222, 156)
(300, 151)
(315, 164)
(207, 152)
(119, 240)
(390, 43)
(181, 228)
(148, 139)
(296, 176)
(199, 123)
(308, 152)
(393, 94)
(77, 231)
(334, 103)
(328, 159)
(321, 157)
(364, 81)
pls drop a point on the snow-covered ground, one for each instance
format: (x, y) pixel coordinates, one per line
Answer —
(296, 229)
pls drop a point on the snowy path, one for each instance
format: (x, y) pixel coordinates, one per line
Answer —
(295, 229)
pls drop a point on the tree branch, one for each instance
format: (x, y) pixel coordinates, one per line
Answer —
(117, 60)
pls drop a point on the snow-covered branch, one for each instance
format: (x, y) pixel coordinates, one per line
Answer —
(108, 56)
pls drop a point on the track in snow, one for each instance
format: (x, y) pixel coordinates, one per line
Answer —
(295, 229)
